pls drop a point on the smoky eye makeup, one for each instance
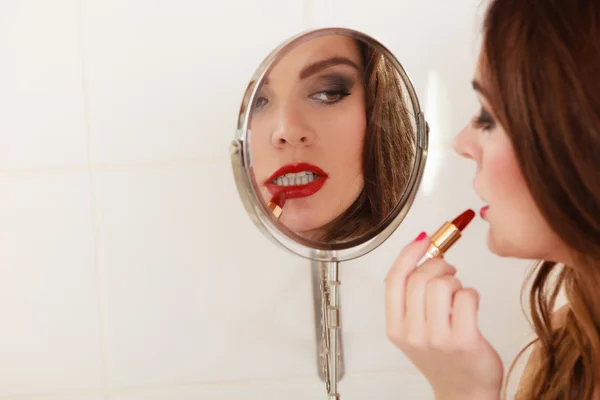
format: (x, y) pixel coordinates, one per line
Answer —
(484, 120)
(338, 82)
(261, 100)
(331, 88)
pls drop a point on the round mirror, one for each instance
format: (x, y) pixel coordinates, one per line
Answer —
(330, 146)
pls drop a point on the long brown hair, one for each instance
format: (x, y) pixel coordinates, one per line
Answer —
(388, 152)
(542, 71)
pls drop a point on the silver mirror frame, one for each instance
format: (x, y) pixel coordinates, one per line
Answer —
(325, 258)
(243, 171)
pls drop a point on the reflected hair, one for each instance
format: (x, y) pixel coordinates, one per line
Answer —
(388, 152)
(541, 69)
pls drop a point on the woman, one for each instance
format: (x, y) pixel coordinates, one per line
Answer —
(536, 143)
(330, 128)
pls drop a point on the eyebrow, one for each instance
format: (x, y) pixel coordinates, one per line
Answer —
(324, 64)
(478, 87)
(319, 66)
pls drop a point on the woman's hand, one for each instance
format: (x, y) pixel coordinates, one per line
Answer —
(433, 320)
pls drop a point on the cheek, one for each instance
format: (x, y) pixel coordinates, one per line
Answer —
(260, 146)
(517, 228)
(342, 133)
(502, 171)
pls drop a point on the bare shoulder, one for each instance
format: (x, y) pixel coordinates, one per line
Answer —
(558, 318)
(535, 358)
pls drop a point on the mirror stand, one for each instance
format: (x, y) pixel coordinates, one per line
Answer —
(326, 300)
(261, 170)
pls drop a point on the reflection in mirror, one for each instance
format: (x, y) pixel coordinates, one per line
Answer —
(329, 152)
(332, 137)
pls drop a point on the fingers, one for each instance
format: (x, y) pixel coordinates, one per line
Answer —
(438, 305)
(395, 282)
(408, 257)
(427, 305)
(416, 287)
(464, 315)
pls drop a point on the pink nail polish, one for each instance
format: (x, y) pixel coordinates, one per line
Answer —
(421, 236)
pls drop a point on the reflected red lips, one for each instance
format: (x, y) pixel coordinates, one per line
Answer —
(297, 180)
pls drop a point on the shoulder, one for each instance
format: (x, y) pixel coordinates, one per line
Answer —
(557, 319)
(535, 358)
(559, 315)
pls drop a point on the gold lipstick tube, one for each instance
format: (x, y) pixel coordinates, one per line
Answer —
(275, 209)
(441, 241)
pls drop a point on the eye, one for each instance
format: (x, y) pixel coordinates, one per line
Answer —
(330, 96)
(261, 102)
(484, 120)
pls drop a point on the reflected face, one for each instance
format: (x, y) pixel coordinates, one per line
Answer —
(516, 226)
(307, 132)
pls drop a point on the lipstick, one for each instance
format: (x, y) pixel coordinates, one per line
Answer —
(295, 190)
(446, 236)
(276, 203)
(483, 211)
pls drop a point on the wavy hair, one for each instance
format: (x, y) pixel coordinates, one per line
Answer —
(388, 153)
(542, 70)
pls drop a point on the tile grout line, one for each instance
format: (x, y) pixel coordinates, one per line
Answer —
(115, 167)
(93, 202)
(403, 371)
(124, 167)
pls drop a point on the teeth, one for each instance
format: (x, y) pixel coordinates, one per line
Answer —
(301, 178)
(298, 175)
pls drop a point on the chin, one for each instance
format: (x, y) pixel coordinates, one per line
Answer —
(296, 226)
(299, 223)
(508, 249)
(497, 246)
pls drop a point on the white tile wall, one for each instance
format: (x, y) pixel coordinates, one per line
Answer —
(50, 335)
(163, 79)
(42, 120)
(128, 268)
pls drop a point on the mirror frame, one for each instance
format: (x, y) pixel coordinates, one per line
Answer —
(243, 170)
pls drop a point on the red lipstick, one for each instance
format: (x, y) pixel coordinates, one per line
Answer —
(447, 235)
(483, 211)
(297, 191)
(463, 220)
(276, 204)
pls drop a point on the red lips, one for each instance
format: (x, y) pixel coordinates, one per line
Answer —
(483, 211)
(297, 191)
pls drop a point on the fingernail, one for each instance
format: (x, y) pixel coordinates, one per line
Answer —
(421, 236)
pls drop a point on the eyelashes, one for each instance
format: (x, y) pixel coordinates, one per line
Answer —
(484, 120)
(326, 90)
(329, 97)
(336, 89)
(260, 102)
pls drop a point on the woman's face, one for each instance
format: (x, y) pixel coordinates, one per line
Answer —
(516, 226)
(308, 129)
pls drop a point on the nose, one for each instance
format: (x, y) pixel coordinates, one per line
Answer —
(292, 130)
(464, 143)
